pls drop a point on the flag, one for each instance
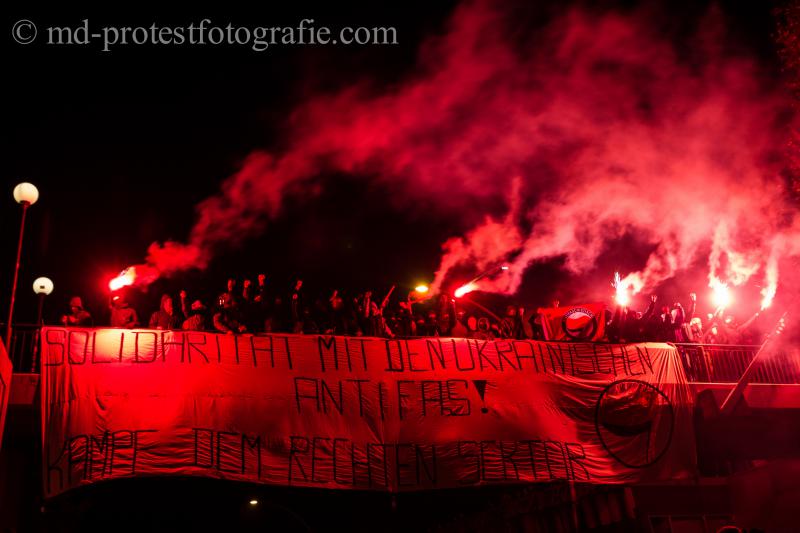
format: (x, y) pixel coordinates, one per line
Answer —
(574, 323)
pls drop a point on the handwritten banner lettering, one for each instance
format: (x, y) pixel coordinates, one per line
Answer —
(359, 413)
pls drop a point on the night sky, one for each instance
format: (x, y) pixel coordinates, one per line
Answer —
(123, 144)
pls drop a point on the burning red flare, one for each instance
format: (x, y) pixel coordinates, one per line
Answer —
(621, 292)
(465, 289)
(125, 279)
(768, 294)
(721, 294)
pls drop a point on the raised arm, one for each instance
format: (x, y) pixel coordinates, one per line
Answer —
(748, 323)
(680, 315)
(385, 301)
(184, 307)
(650, 308)
(616, 317)
(367, 302)
(247, 290)
(692, 306)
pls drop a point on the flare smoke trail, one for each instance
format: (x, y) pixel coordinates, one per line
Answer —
(591, 128)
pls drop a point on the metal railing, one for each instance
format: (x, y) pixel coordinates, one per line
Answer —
(23, 349)
(725, 363)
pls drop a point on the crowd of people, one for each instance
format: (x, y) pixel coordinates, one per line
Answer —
(674, 323)
(257, 308)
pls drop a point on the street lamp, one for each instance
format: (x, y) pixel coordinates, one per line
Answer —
(43, 287)
(420, 292)
(26, 195)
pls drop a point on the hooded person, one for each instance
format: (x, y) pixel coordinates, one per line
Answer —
(78, 316)
(264, 302)
(511, 326)
(472, 327)
(446, 315)
(197, 319)
(122, 314)
(228, 319)
(460, 329)
(484, 331)
(166, 317)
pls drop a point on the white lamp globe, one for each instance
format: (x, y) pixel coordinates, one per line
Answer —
(43, 286)
(26, 193)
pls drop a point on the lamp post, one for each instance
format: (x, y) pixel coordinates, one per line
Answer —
(42, 287)
(26, 195)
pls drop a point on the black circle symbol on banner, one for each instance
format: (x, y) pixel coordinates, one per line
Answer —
(634, 421)
(579, 324)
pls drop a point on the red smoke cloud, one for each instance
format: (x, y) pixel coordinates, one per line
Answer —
(586, 130)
